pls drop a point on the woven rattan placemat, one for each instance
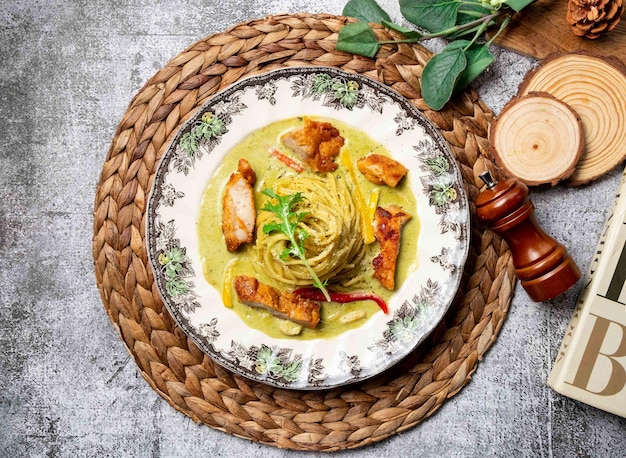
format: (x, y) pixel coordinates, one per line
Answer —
(346, 417)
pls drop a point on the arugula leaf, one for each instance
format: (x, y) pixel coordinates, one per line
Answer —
(440, 75)
(432, 15)
(288, 223)
(365, 10)
(358, 38)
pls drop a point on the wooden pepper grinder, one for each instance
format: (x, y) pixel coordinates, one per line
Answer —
(542, 264)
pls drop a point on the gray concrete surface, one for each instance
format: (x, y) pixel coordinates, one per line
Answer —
(67, 386)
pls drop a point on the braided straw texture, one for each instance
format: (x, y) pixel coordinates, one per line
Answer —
(341, 418)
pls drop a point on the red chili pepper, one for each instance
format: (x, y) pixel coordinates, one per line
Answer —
(315, 294)
(286, 160)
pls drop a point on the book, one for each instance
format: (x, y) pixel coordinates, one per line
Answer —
(591, 363)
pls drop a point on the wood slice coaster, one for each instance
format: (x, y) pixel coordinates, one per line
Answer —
(537, 138)
(595, 88)
(345, 417)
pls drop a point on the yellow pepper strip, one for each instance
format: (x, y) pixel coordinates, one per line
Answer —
(366, 221)
(373, 202)
(227, 289)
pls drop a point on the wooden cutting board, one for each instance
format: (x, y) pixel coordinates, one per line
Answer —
(541, 29)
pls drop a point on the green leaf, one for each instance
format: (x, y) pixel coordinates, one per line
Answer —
(289, 252)
(469, 12)
(478, 59)
(456, 44)
(358, 38)
(432, 15)
(271, 227)
(518, 5)
(365, 10)
(408, 33)
(285, 210)
(440, 75)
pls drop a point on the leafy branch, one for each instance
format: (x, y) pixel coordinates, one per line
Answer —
(288, 223)
(463, 22)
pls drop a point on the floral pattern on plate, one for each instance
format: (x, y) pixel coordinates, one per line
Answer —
(195, 153)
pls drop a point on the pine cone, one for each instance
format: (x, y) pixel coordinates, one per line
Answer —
(592, 18)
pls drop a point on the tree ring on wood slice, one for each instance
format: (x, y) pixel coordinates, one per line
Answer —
(595, 87)
(537, 139)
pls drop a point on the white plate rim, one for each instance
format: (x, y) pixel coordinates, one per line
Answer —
(454, 219)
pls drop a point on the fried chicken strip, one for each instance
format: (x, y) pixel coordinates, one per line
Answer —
(317, 144)
(388, 224)
(381, 169)
(238, 209)
(282, 304)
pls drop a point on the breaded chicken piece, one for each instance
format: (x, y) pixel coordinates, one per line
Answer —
(317, 144)
(381, 169)
(244, 167)
(282, 304)
(388, 224)
(238, 209)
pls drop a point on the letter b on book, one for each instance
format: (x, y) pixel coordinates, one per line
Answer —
(598, 367)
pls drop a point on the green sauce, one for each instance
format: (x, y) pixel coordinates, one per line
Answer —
(216, 258)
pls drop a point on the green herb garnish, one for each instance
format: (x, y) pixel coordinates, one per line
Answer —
(285, 210)
(460, 62)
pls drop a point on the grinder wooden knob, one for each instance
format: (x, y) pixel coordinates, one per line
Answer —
(542, 264)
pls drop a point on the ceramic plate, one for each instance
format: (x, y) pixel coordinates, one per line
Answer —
(196, 152)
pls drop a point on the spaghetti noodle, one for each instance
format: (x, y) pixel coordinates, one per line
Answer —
(334, 244)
